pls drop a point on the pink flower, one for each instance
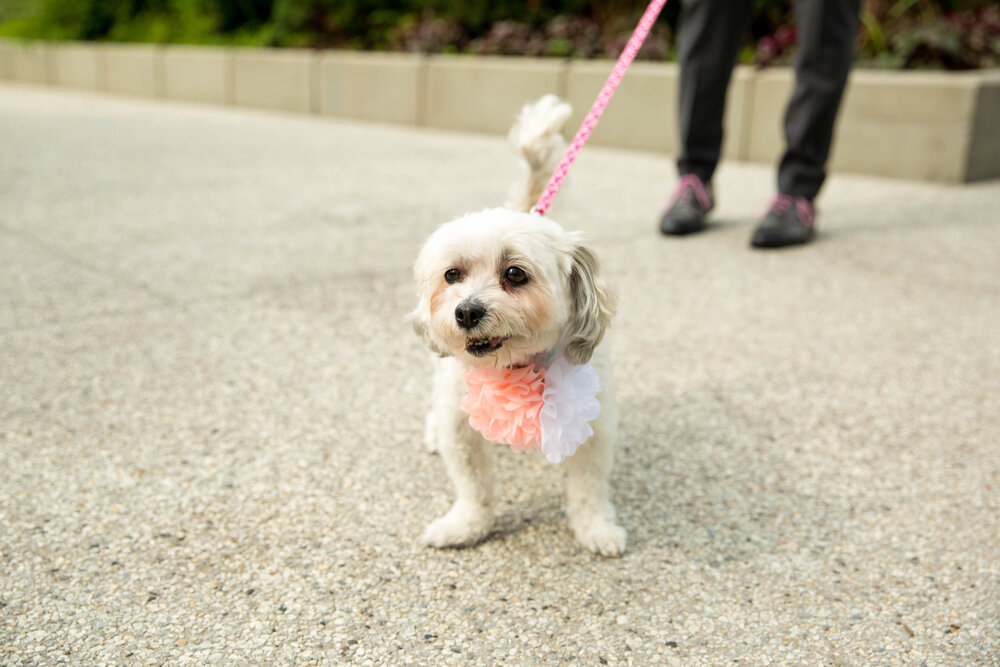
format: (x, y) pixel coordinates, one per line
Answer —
(504, 404)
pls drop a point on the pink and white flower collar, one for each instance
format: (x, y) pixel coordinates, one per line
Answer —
(548, 405)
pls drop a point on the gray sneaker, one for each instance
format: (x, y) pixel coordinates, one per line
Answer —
(790, 220)
(690, 203)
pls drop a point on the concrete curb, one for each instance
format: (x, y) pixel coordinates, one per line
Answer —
(984, 151)
(485, 94)
(78, 66)
(199, 74)
(380, 87)
(285, 80)
(133, 70)
(928, 126)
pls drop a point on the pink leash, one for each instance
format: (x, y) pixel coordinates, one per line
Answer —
(600, 104)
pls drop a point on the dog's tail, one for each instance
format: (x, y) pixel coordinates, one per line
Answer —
(539, 146)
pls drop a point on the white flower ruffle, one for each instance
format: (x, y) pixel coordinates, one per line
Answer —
(569, 405)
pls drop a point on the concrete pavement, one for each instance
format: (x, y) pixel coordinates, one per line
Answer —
(211, 410)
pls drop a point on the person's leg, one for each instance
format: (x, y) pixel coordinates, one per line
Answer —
(826, 33)
(710, 32)
(709, 40)
(825, 51)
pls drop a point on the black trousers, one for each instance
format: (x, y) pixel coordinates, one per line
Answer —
(710, 37)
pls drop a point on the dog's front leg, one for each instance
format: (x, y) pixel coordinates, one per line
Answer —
(469, 460)
(591, 514)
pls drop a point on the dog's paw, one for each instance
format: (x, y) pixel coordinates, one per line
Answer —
(601, 536)
(462, 526)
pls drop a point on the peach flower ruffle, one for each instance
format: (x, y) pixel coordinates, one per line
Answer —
(530, 408)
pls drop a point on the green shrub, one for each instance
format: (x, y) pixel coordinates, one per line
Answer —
(894, 33)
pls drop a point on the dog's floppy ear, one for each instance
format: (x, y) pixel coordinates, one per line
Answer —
(422, 328)
(593, 306)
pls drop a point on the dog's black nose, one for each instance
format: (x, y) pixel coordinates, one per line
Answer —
(468, 314)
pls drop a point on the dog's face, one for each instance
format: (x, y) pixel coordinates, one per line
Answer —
(499, 288)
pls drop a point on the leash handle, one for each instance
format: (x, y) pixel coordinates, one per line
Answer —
(601, 103)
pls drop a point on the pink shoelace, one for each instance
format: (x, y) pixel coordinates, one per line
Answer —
(691, 183)
(782, 202)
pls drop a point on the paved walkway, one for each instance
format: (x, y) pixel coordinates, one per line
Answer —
(211, 410)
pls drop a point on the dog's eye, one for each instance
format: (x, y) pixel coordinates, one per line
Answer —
(452, 276)
(516, 276)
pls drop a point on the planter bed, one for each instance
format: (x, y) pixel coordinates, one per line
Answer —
(934, 126)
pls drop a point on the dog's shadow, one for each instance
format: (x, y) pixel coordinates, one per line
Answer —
(699, 483)
(702, 483)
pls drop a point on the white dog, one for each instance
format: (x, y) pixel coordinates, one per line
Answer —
(507, 289)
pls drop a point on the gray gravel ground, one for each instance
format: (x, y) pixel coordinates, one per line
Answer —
(211, 410)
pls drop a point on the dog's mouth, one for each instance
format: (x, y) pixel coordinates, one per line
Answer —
(478, 347)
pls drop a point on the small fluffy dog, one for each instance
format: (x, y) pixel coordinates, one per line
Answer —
(505, 288)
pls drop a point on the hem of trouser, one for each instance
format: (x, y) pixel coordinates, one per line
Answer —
(705, 176)
(793, 179)
(796, 195)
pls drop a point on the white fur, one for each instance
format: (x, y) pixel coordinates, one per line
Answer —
(536, 140)
(564, 303)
